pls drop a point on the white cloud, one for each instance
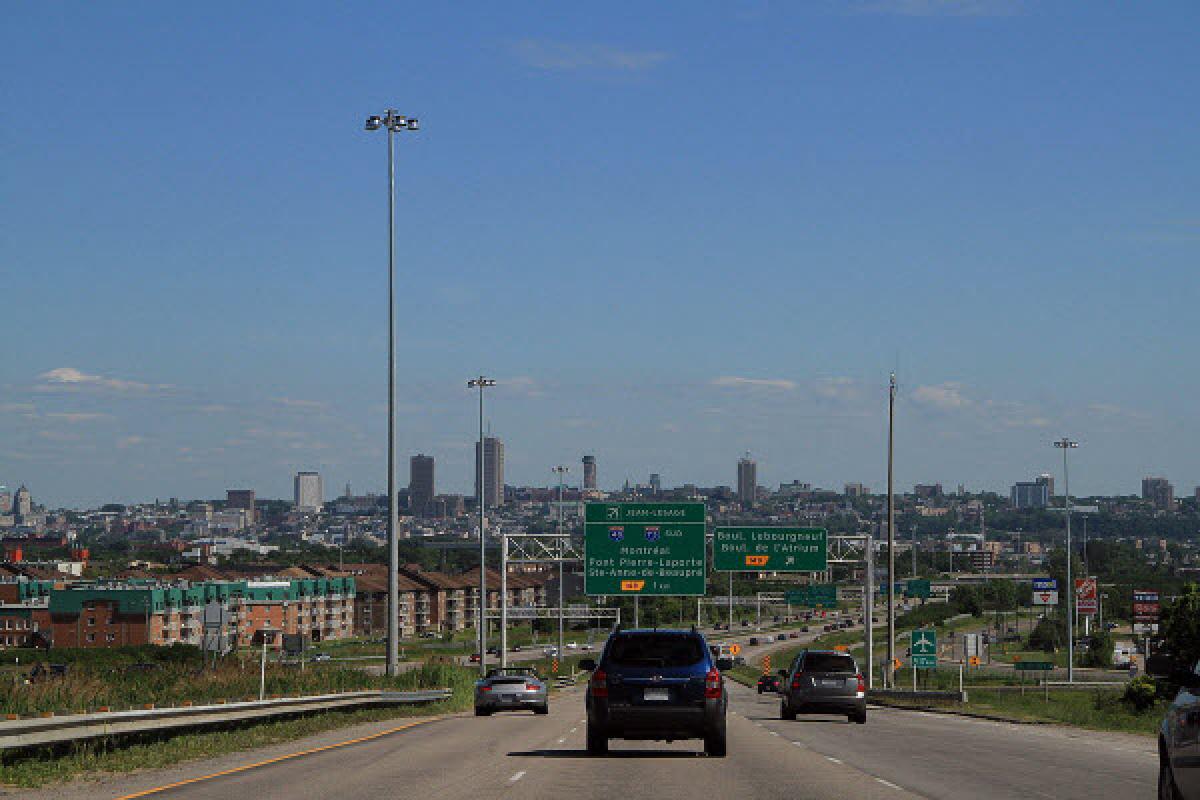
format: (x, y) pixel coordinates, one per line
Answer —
(71, 379)
(523, 385)
(568, 56)
(130, 441)
(75, 416)
(837, 389)
(16, 408)
(944, 397)
(737, 382)
(311, 405)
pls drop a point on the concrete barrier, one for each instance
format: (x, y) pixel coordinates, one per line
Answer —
(75, 727)
(884, 695)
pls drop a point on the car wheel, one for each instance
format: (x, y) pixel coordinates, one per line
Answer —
(714, 741)
(543, 709)
(597, 742)
(859, 717)
(1167, 790)
(785, 712)
(481, 712)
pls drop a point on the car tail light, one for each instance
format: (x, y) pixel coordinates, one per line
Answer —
(712, 684)
(485, 688)
(531, 687)
(862, 685)
(599, 684)
(796, 680)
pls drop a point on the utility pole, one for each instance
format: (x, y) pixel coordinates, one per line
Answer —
(394, 124)
(560, 470)
(1066, 444)
(482, 383)
(891, 537)
(914, 550)
(869, 609)
(503, 601)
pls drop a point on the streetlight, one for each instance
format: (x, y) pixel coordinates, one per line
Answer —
(1066, 444)
(482, 383)
(560, 471)
(394, 123)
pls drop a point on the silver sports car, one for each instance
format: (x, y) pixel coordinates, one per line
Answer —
(511, 689)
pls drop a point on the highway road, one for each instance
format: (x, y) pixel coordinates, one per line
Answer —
(897, 754)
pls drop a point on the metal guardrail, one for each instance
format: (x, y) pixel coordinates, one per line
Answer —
(75, 727)
(901, 694)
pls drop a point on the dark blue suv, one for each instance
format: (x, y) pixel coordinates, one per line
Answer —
(656, 684)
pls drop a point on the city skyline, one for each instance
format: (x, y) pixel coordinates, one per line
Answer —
(652, 276)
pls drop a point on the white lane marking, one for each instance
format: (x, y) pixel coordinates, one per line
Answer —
(834, 760)
(798, 744)
(562, 741)
(517, 777)
(574, 729)
(774, 733)
(889, 784)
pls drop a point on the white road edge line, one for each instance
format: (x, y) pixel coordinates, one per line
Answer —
(834, 760)
(517, 777)
(889, 784)
(562, 741)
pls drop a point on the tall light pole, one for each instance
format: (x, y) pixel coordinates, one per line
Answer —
(394, 123)
(891, 538)
(560, 471)
(482, 383)
(1066, 444)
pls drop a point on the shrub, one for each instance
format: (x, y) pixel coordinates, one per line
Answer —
(1140, 693)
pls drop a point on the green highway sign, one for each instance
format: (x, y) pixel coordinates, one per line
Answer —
(1033, 666)
(923, 646)
(918, 588)
(644, 549)
(817, 595)
(751, 548)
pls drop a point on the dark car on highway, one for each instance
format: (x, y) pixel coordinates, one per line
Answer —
(511, 689)
(656, 684)
(823, 682)
(769, 683)
(1179, 734)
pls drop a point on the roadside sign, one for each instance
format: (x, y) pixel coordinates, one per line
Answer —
(739, 549)
(817, 595)
(842, 648)
(1087, 601)
(897, 663)
(1033, 666)
(1146, 608)
(973, 661)
(735, 649)
(919, 588)
(923, 646)
(766, 665)
(1045, 591)
(644, 549)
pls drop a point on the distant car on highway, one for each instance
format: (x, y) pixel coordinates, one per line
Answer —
(511, 689)
(1179, 734)
(572, 646)
(769, 683)
(823, 682)
(550, 651)
(321, 657)
(656, 684)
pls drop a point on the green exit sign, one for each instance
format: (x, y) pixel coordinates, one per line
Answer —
(818, 595)
(750, 549)
(644, 549)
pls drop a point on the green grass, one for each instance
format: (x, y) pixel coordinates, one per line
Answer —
(39, 766)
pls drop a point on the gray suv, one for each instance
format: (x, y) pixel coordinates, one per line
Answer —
(823, 682)
(1179, 735)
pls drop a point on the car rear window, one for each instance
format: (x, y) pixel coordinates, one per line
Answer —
(656, 650)
(828, 662)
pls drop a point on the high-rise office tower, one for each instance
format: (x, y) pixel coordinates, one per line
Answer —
(493, 464)
(22, 505)
(1047, 480)
(308, 491)
(243, 499)
(6, 501)
(655, 483)
(1160, 492)
(420, 484)
(747, 481)
(1030, 494)
(589, 472)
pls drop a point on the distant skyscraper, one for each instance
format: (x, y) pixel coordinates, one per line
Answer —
(855, 490)
(308, 491)
(420, 484)
(241, 498)
(747, 481)
(22, 505)
(493, 463)
(1030, 494)
(655, 483)
(1160, 492)
(6, 500)
(1047, 480)
(589, 472)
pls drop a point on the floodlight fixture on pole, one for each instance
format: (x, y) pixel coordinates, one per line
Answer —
(482, 383)
(1066, 444)
(394, 123)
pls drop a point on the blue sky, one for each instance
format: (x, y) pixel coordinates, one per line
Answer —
(674, 234)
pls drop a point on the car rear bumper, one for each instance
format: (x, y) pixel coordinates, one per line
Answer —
(825, 704)
(656, 722)
(518, 702)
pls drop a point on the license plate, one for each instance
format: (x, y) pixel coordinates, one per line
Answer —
(508, 698)
(832, 684)
(656, 694)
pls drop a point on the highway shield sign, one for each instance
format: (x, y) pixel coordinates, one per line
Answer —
(644, 549)
(738, 549)
(923, 646)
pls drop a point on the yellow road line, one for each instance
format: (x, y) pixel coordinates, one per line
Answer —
(275, 760)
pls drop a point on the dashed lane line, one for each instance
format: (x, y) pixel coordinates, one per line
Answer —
(889, 784)
(517, 777)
